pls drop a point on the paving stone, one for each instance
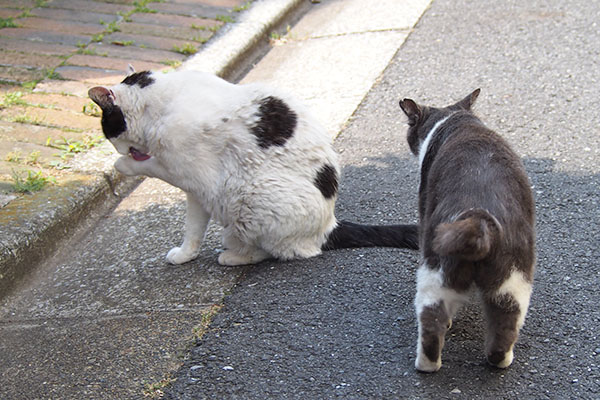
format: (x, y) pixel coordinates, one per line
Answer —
(153, 42)
(44, 36)
(152, 55)
(50, 117)
(74, 15)
(28, 60)
(174, 32)
(86, 74)
(10, 13)
(191, 9)
(19, 75)
(35, 47)
(58, 101)
(74, 27)
(19, 4)
(6, 87)
(42, 155)
(173, 20)
(26, 133)
(217, 3)
(23, 139)
(128, 2)
(91, 6)
(117, 64)
(57, 86)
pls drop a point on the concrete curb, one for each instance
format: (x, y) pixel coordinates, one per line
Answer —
(33, 226)
(234, 43)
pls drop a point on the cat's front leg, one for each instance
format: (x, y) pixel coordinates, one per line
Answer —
(151, 168)
(196, 221)
(128, 166)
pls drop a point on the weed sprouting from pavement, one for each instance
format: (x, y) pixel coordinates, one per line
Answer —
(31, 182)
(70, 147)
(14, 156)
(186, 49)
(207, 317)
(8, 23)
(225, 18)
(155, 390)
(242, 7)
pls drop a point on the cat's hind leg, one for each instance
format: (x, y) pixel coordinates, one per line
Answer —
(505, 313)
(234, 258)
(435, 305)
(196, 221)
(239, 253)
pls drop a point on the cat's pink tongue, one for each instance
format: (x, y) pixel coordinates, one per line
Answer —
(138, 155)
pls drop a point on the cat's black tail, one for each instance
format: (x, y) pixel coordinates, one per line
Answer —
(350, 235)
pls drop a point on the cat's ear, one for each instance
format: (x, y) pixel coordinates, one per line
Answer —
(103, 97)
(130, 70)
(468, 101)
(412, 111)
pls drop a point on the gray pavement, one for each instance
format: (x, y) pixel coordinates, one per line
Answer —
(107, 318)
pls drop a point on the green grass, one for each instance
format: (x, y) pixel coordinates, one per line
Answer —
(91, 109)
(16, 156)
(142, 6)
(207, 317)
(69, 147)
(29, 85)
(30, 181)
(12, 99)
(8, 23)
(242, 7)
(186, 49)
(171, 63)
(212, 28)
(27, 119)
(111, 26)
(122, 42)
(33, 157)
(155, 390)
(225, 18)
(13, 156)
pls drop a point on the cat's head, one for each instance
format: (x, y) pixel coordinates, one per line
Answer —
(122, 106)
(422, 119)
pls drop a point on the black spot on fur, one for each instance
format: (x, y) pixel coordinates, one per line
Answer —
(142, 79)
(326, 181)
(113, 122)
(276, 123)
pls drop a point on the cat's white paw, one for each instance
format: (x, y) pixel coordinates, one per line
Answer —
(124, 166)
(178, 256)
(232, 258)
(424, 364)
(504, 363)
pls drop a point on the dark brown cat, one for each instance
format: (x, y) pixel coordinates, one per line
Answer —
(476, 228)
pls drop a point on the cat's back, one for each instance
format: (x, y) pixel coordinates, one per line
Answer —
(476, 167)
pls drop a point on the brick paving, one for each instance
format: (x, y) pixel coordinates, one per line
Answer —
(52, 51)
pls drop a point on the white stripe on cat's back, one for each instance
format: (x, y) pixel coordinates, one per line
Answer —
(425, 144)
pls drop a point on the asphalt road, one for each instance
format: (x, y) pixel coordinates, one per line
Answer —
(343, 325)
